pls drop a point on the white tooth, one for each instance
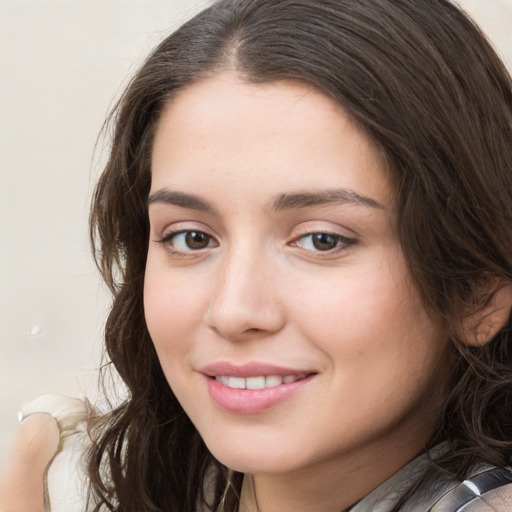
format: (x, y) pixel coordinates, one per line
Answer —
(290, 378)
(236, 382)
(222, 379)
(273, 380)
(255, 382)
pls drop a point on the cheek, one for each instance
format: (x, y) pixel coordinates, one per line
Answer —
(384, 355)
(173, 309)
(372, 325)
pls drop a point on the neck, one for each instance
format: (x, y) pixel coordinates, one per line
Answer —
(249, 501)
(328, 487)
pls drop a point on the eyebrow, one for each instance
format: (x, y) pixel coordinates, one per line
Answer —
(287, 201)
(180, 199)
(321, 198)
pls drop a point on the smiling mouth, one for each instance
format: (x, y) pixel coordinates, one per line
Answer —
(254, 387)
(258, 382)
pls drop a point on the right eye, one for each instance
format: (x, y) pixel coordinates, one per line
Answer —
(187, 241)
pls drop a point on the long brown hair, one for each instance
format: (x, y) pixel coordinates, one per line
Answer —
(426, 86)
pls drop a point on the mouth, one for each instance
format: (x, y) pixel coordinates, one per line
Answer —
(258, 382)
(253, 388)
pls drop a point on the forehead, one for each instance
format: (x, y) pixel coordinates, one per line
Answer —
(282, 134)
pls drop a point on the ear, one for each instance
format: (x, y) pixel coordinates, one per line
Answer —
(481, 327)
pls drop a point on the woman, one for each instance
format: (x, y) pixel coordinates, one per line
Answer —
(305, 222)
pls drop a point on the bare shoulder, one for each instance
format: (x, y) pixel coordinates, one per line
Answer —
(22, 481)
(497, 500)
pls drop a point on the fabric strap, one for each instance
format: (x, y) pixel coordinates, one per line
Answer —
(472, 489)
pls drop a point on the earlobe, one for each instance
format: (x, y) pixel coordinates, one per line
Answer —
(481, 327)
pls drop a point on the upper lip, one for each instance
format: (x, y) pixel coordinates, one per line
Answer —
(249, 370)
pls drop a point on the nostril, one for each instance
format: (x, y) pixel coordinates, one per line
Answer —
(239, 316)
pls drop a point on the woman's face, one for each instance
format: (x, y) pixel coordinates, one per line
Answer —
(276, 292)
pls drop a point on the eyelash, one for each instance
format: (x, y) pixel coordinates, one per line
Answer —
(167, 239)
(342, 243)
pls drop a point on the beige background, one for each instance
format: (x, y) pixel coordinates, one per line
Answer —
(61, 65)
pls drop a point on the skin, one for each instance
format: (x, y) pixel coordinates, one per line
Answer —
(260, 291)
(22, 479)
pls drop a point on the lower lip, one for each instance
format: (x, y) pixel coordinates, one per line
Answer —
(252, 401)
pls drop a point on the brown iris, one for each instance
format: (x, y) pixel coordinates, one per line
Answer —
(324, 241)
(197, 240)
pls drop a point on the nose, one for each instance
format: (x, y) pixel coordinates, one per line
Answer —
(245, 302)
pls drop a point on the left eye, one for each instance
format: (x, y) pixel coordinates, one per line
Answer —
(185, 241)
(322, 242)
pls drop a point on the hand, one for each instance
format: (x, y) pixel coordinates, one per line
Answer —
(22, 484)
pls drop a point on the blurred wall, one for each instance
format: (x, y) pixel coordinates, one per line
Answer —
(62, 63)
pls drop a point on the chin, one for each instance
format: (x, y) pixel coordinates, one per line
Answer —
(254, 457)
